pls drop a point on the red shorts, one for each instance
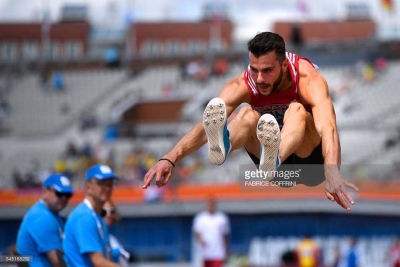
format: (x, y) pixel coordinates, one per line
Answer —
(213, 263)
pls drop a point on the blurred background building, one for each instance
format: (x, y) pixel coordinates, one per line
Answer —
(120, 81)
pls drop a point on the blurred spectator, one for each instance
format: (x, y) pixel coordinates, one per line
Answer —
(197, 70)
(60, 165)
(58, 81)
(336, 256)
(41, 231)
(71, 150)
(87, 121)
(103, 154)
(112, 57)
(212, 231)
(380, 64)
(359, 68)
(203, 73)
(146, 161)
(44, 78)
(289, 258)
(351, 255)
(192, 69)
(31, 176)
(308, 253)
(153, 195)
(87, 150)
(17, 178)
(129, 169)
(111, 132)
(220, 67)
(111, 216)
(4, 108)
(183, 70)
(393, 140)
(368, 73)
(394, 253)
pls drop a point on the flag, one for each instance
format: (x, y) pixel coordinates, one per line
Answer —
(387, 5)
(128, 19)
(217, 16)
(302, 6)
(46, 22)
(215, 12)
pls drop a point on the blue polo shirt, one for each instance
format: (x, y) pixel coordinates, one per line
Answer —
(85, 232)
(41, 231)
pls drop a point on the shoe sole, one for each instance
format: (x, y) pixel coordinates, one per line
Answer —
(214, 119)
(269, 135)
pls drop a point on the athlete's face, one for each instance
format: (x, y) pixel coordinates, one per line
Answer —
(267, 72)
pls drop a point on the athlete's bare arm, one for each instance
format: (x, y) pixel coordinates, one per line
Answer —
(233, 93)
(314, 91)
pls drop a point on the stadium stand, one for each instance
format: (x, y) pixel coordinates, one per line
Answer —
(109, 93)
(38, 111)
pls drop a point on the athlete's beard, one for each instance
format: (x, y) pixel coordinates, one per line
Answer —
(275, 85)
(277, 82)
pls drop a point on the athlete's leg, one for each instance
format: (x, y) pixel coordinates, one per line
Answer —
(243, 130)
(299, 135)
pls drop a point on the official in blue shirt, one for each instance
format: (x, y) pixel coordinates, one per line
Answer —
(86, 241)
(41, 232)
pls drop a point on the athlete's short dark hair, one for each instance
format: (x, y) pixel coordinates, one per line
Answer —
(266, 42)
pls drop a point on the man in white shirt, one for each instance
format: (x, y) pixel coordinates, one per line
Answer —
(212, 230)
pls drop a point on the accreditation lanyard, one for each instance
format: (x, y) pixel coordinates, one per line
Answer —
(99, 227)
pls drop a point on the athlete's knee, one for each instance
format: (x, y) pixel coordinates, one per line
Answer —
(248, 115)
(297, 111)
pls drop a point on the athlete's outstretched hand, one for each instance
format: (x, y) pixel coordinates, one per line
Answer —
(336, 188)
(162, 171)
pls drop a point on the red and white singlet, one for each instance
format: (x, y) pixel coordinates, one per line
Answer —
(277, 103)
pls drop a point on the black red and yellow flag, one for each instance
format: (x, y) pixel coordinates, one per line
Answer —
(387, 5)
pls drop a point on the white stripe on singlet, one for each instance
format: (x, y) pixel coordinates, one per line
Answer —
(251, 82)
(292, 58)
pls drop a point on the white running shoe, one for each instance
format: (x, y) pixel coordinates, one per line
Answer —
(269, 135)
(215, 126)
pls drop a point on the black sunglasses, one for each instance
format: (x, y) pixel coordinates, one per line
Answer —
(104, 212)
(60, 195)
